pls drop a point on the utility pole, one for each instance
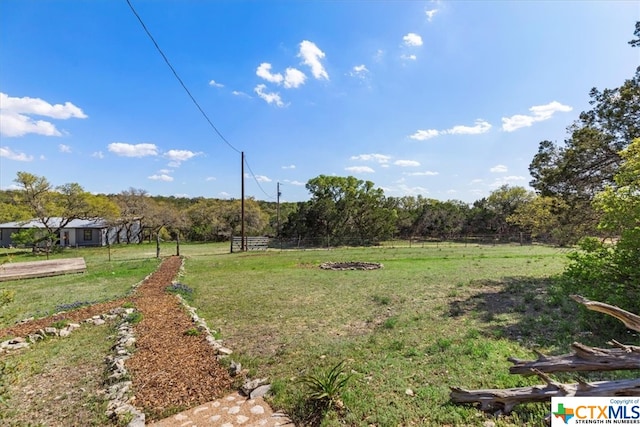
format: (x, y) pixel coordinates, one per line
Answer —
(278, 211)
(243, 243)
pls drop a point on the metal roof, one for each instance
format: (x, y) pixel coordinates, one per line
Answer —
(54, 222)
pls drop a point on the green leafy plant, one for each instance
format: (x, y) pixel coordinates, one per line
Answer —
(134, 318)
(6, 297)
(59, 324)
(326, 388)
(192, 332)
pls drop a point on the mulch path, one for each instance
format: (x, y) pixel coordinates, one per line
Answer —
(170, 370)
(75, 316)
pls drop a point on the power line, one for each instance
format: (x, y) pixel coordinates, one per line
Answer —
(179, 79)
(256, 179)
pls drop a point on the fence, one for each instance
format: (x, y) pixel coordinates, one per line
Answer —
(331, 242)
(251, 243)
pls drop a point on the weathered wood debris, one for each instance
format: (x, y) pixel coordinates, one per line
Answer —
(582, 358)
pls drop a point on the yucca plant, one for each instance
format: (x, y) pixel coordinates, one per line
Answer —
(325, 388)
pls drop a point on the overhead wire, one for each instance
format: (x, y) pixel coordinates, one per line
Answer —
(193, 99)
(175, 73)
(255, 178)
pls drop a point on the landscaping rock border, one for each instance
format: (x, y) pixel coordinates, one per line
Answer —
(351, 265)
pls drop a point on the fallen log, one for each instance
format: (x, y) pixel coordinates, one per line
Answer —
(630, 320)
(507, 399)
(583, 358)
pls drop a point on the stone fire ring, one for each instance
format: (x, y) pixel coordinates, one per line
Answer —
(351, 265)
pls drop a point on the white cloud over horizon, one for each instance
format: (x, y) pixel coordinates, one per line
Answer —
(499, 169)
(269, 97)
(16, 120)
(124, 149)
(412, 40)
(480, 127)
(425, 173)
(539, 113)
(380, 158)
(8, 153)
(359, 169)
(180, 155)
(311, 55)
(264, 71)
(161, 177)
(406, 163)
(430, 14)
(507, 180)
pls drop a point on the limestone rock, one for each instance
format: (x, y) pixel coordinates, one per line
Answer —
(260, 391)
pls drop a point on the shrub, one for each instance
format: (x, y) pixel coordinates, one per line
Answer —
(609, 274)
(326, 388)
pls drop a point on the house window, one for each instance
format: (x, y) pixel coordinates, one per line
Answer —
(88, 235)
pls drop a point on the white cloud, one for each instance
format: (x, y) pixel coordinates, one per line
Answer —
(8, 153)
(161, 177)
(224, 194)
(425, 173)
(423, 135)
(64, 148)
(13, 124)
(262, 178)
(379, 55)
(39, 107)
(264, 71)
(405, 190)
(180, 155)
(311, 56)
(298, 183)
(476, 181)
(409, 57)
(359, 71)
(499, 169)
(215, 83)
(538, 113)
(269, 97)
(380, 158)
(165, 171)
(98, 155)
(293, 78)
(240, 93)
(412, 39)
(210, 178)
(359, 169)
(480, 126)
(406, 163)
(510, 180)
(133, 150)
(289, 167)
(430, 14)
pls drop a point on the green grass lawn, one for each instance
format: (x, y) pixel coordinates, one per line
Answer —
(435, 316)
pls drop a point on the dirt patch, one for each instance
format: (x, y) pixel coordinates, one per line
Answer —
(75, 316)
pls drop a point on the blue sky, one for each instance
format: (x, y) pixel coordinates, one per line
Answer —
(444, 99)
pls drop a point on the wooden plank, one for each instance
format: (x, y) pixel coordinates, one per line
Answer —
(32, 269)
